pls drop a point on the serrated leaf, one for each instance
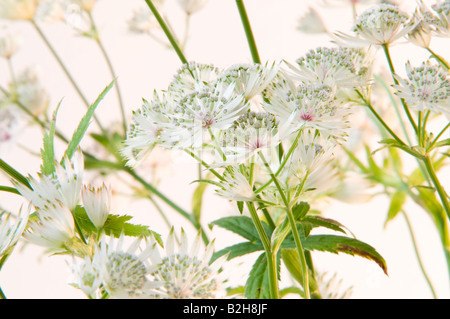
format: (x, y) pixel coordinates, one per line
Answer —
(340, 244)
(397, 201)
(257, 285)
(318, 221)
(238, 250)
(241, 225)
(117, 224)
(84, 124)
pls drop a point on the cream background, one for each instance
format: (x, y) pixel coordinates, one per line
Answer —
(143, 65)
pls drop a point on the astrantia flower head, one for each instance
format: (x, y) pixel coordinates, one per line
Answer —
(426, 88)
(87, 275)
(311, 22)
(250, 79)
(11, 231)
(379, 25)
(334, 67)
(125, 271)
(235, 186)
(251, 133)
(437, 18)
(309, 106)
(185, 272)
(202, 112)
(9, 44)
(18, 9)
(143, 21)
(30, 91)
(144, 133)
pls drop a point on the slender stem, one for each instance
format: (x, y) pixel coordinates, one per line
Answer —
(408, 223)
(66, 71)
(437, 184)
(439, 58)
(2, 295)
(167, 31)
(294, 230)
(111, 70)
(439, 135)
(271, 258)
(391, 67)
(248, 31)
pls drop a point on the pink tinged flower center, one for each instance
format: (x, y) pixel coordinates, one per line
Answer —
(208, 120)
(307, 116)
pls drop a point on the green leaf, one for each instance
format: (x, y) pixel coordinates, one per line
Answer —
(241, 225)
(340, 244)
(197, 199)
(9, 170)
(394, 143)
(240, 206)
(283, 229)
(84, 124)
(310, 222)
(48, 150)
(238, 250)
(257, 285)
(397, 201)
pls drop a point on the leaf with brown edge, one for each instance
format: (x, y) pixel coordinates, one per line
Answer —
(340, 244)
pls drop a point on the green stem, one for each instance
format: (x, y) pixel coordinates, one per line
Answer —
(111, 70)
(167, 31)
(418, 255)
(271, 257)
(439, 135)
(439, 58)
(66, 71)
(294, 230)
(248, 31)
(437, 184)
(391, 67)
(169, 202)
(2, 295)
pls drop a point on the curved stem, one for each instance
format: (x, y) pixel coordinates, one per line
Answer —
(271, 257)
(167, 31)
(248, 31)
(111, 70)
(408, 223)
(66, 71)
(437, 184)
(294, 230)
(391, 67)
(439, 58)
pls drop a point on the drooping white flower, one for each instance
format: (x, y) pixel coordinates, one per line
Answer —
(185, 272)
(192, 6)
(18, 9)
(427, 87)
(311, 22)
(125, 271)
(96, 202)
(30, 92)
(64, 186)
(53, 228)
(11, 231)
(379, 25)
(9, 44)
(235, 186)
(143, 21)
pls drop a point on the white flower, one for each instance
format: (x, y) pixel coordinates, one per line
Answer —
(85, 5)
(96, 202)
(311, 22)
(64, 186)
(50, 11)
(308, 106)
(192, 6)
(185, 273)
(9, 44)
(250, 79)
(381, 24)
(143, 21)
(333, 67)
(87, 275)
(426, 88)
(10, 232)
(53, 228)
(18, 9)
(30, 92)
(202, 112)
(235, 186)
(437, 18)
(125, 272)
